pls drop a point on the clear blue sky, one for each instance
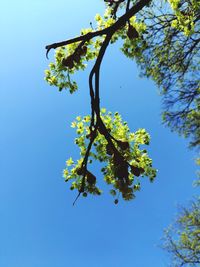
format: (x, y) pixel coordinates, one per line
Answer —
(39, 227)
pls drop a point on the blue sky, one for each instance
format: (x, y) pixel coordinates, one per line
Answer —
(39, 227)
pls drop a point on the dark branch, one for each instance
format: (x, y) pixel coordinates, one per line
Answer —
(113, 28)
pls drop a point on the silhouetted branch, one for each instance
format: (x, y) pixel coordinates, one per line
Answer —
(96, 121)
(110, 30)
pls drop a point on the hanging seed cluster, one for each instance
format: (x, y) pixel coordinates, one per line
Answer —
(75, 57)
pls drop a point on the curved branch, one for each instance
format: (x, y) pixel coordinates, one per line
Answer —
(95, 73)
(113, 28)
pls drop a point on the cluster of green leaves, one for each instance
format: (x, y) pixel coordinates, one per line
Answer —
(69, 59)
(185, 21)
(123, 175)
(182, 239)
(59, 73)
(133, 47)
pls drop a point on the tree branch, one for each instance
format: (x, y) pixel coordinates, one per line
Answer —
(113, 28)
